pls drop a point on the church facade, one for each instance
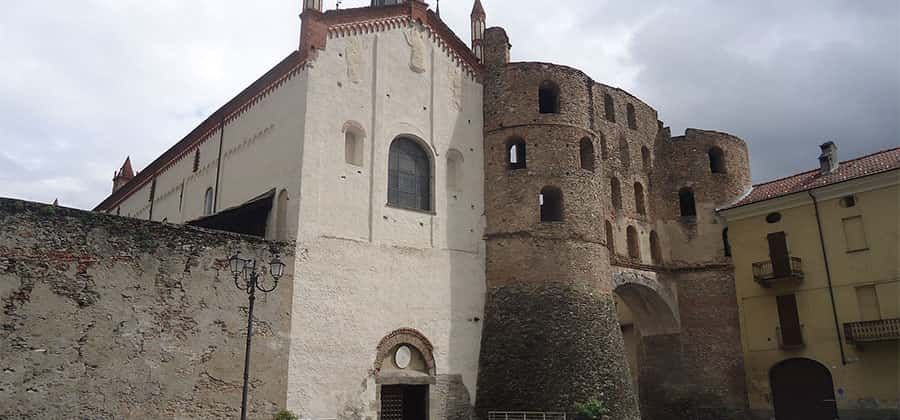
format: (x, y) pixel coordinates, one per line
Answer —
(465, 226)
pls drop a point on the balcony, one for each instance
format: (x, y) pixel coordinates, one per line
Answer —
(765, 274)
(872, 331)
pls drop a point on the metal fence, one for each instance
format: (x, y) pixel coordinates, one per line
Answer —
(525, 415)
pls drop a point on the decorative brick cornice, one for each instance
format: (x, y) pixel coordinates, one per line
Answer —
(408, 336)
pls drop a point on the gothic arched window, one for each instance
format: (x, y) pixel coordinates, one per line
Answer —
(409, 175)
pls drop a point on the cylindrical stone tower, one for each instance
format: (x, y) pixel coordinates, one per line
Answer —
(550, 336)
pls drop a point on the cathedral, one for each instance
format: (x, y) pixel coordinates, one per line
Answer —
(479, 237)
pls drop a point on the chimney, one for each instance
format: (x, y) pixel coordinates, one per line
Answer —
(828, 160)
(123, 175)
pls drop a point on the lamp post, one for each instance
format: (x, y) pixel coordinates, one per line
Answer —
(246, 278)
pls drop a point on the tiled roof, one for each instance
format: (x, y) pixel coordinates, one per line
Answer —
(882, 161)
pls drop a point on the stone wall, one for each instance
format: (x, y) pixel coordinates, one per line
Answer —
(112, 317)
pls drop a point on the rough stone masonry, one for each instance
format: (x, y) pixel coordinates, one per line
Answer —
(108, 317)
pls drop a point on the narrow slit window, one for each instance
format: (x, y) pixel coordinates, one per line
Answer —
(716, 160)
(515, 154)
(610, 238)
(639, 205)
(632, 118)
(655, 250)
(609, 108)
(634, 248)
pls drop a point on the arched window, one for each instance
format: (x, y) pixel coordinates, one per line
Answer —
(615, 191)
(624, 151)
(604, 150)
(634, 247)
(639, 199)
(551, 200)
(655, 250)
(409, 175)
(548, 97)
(587, 154)
(454, 169)
(632, 119)
(281, 233)
(645, 157)
(725, 244)
(610, 238)
(686, 201)
(353, 146)
(609, 108)
(515, 154)
(716, 160)
(208, 199)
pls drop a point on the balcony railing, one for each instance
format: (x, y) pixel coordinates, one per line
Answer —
(764, 272)
(525, 415)
(870, 331)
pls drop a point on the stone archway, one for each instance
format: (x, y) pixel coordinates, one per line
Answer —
(404, 372)
(654, 306)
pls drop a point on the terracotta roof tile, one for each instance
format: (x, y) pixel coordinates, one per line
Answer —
(878, 162)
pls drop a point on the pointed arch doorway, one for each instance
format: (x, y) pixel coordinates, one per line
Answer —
(802, 389)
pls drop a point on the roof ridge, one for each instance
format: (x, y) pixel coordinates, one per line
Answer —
(816, 170)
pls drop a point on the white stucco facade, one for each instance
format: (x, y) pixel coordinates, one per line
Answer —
(363, 268)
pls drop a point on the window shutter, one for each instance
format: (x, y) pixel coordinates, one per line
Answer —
(789, 319)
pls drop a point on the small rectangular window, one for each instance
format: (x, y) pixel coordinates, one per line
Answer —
(854, 234)
(867, 297)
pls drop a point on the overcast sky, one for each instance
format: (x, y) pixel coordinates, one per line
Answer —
(86, 83)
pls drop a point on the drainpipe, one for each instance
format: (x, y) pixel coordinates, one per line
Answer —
(219, 163)
(837, 326)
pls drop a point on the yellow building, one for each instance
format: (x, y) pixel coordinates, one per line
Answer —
(816, 271)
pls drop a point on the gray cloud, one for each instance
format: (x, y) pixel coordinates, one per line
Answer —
(95, 81)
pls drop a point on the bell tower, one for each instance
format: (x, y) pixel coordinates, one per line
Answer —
(478, 26)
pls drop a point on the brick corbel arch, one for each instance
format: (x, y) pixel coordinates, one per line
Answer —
(410, 337)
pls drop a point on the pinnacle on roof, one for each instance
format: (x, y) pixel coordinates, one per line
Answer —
(126, 171)
(478, 9)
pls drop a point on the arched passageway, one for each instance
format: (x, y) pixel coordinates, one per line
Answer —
(802, 389)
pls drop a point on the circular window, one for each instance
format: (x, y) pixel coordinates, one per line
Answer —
(402, 357)
(773, 218)
(848, 201)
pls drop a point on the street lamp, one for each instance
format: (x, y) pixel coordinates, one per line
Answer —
(246, 278)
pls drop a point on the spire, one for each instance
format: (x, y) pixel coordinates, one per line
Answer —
(478, 10)
(437, 9)
(478, 26)
(123, 175)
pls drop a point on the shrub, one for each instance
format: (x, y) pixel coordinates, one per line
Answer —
(285, 415)
(593, 409)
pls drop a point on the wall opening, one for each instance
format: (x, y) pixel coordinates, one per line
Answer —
(632, 118)
(586, 154)
(716, 160)
(281, 227)
(615, 192)
(609, 108)
(634, 247)
(515, 154)
(548, 97)
(639, 205)
(604, 150)
(624, 151)
(409, 175)
(551, 201)
(353, 148)
(610, 238)
(454, 170)
(655, 249)
(725, 243)
(208, 198)
(686, 201)
(646, 158)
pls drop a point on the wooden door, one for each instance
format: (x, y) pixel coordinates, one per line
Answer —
(778, 254)
(802, 389)
(789, 320)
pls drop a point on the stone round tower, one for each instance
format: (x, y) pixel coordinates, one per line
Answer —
(551, 337)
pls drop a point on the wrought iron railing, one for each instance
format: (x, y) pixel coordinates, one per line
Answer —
(868, 331)
(764, 272)
(525, 415)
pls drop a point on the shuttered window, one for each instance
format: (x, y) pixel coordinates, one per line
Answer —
(789, 320)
